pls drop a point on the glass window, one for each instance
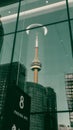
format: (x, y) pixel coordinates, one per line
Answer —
(8, 17)
(38, 34)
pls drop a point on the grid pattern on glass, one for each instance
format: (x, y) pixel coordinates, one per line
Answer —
(47, 24)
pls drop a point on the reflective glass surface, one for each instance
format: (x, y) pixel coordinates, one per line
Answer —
(7, 49)
(39, 35)
(8, 17)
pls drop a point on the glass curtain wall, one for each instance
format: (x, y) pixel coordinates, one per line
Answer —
(48, 26)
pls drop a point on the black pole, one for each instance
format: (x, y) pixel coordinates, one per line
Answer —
(13, 48)
(69, 24)
(14, 41)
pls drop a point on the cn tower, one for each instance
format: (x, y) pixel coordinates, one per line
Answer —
(36, 64)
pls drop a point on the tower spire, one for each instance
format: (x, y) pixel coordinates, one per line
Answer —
(36, 45)
(36, 48)
(36, 65)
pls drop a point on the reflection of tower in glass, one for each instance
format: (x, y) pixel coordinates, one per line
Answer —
(69, 94)
(36, 65)
(42, 99)
(1, 37)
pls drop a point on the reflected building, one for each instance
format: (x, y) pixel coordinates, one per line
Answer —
(38, 104)
(69, 94)
(10, 77)
(43, 107)
(51, 122)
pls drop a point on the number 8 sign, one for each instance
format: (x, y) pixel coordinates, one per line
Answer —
(21, 102)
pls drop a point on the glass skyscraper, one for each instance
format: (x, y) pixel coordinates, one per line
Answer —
(51, 120)
(9, 78)
(43, 107)
(69, 94)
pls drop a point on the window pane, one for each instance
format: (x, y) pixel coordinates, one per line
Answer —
(42, 53)
(7, 49)
(54, 54)
(70, 2)
(44, 14)
(8, 17)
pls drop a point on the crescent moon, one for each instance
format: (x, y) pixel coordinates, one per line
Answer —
(36, 25)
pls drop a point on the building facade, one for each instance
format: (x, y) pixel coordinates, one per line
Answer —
(69, 94)
(51, 122)
(10, 76)
(43, 107)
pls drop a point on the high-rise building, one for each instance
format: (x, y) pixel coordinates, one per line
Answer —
(8, 77)
(43, 107)
(51, 122)
(38, 105)
(69, 94)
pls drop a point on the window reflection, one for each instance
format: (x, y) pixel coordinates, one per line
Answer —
(54, 54)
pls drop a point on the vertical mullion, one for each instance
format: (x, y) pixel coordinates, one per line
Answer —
(13, 48)
(14, 41)
(69, 24)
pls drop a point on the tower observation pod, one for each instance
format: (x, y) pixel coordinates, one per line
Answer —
(36, 64)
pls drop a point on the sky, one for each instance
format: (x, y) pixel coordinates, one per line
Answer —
(54, 52)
